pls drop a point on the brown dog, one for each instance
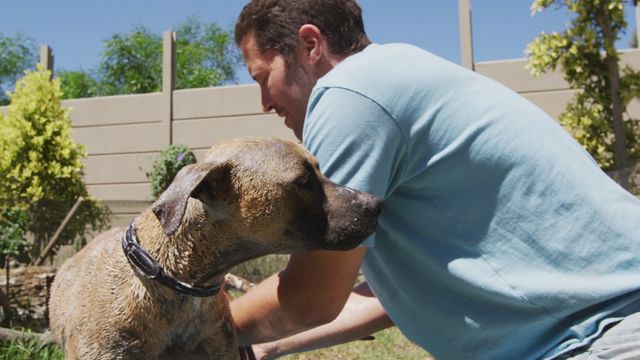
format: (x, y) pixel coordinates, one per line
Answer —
(250, 197)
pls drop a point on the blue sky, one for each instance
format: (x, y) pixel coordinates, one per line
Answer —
(76, 29)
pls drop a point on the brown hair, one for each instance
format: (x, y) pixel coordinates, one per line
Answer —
(275, 24)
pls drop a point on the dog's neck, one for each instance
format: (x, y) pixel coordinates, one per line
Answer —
(184, 255)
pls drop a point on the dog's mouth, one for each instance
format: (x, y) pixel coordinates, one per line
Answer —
(351, 234)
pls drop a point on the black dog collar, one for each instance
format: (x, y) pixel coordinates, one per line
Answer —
(145, 265)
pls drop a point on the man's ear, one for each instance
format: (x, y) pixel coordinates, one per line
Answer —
(191, 181)
(311, 40)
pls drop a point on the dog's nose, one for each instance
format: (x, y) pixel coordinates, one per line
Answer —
(375, 207)
(372, 204)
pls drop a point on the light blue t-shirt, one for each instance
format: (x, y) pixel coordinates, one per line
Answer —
(500, 238)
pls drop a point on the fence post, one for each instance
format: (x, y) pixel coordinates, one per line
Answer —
(168, 81)
(466, 33)
(46, 58)
(637, 13)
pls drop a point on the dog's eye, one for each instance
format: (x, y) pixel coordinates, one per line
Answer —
(304, 182)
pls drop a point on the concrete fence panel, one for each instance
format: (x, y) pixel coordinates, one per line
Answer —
(125, 134)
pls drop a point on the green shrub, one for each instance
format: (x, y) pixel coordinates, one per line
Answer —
(41, 168)
(13, 227)
(171, 160)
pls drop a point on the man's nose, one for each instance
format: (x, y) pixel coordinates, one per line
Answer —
(267, 102)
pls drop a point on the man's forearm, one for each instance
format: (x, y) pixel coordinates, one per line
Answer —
(252, 313)
(362, 315)
(311, 291)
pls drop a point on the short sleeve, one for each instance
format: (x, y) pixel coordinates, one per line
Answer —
(357, 143)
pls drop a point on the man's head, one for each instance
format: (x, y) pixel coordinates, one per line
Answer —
(289, 44)
(275, 24)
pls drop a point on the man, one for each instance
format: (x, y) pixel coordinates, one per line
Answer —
(500, 238)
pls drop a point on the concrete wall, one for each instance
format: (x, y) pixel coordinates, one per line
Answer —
(549, 91)
(125, 134)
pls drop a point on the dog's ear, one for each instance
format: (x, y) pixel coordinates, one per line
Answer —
(189, 182)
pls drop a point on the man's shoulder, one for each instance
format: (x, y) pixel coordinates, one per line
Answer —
(380, 71)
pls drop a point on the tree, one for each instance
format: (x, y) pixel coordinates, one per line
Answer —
(132, 63)
(41, 166)
(586, 52)
(206, 55)
(17, 54)
(77, 84)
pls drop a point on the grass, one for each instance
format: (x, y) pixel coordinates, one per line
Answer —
(388, 344)
(29, 350)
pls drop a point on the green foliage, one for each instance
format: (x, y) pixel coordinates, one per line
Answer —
(17, 54)
(205, 55)
(77, 84)
(586, 54)
(41, 167)
(165, 168)
(29, 350)
(13, 227)
(41, 148)
(132, 63)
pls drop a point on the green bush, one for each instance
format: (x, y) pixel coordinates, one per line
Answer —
(13, 226)
(41, 168)
(171, 160)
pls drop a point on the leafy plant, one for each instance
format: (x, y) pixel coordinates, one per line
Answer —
(17, 54)
(586, 53)
(132, 63)
(13, 228)
(41, 167)
(165, 168)
(77, 84)
(206, 55)
(29, 350)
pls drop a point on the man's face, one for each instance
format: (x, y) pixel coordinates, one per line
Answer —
(285, 88)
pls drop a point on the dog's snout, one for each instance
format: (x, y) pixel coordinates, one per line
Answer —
(374, 207)
(370, 203)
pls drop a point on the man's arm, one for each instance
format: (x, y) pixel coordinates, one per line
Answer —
(362, 315)
(310, 292)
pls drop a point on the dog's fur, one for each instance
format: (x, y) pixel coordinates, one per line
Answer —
(248, 198)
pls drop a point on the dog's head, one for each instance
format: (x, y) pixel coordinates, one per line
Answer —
(272, 195)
